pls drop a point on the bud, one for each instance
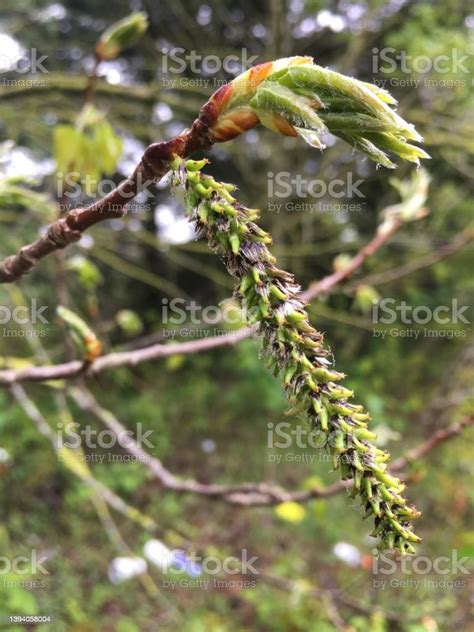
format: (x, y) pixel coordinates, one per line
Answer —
(295, 97)
(84, 338)
(121, 35)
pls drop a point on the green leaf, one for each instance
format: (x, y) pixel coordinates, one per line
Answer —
(67, 147)
(297, 110)
(108, 147)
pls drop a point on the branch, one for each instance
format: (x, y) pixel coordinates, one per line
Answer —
(462, 240)
(440, 436)
(326, 284)
(134, 357)
(65, 231)
(77, 465)
(244, 494)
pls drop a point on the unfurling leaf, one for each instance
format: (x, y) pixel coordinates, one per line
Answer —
(296, 97)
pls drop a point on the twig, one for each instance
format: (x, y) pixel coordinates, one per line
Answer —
(83, 472)
(440, 436)
(447, 250)
(153, 165)
(244, 494)
(326, 284)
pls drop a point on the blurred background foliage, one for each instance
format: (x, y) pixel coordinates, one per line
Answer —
(209, 412)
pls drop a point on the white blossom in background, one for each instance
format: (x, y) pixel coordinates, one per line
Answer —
(4, 456)
(208, 445)
(348, 554)
(158, 554)
(174, 227)
(164, 558)
(122, 569)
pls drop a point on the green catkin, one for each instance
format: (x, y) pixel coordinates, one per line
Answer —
(295, 351)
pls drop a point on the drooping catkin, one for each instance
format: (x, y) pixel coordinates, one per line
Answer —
(295, 351)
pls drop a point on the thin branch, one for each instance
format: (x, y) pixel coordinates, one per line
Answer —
(440, 436)
(119, 359)
(154, 164)
(462, 240)
(380, 238)
(82, 472)
(244, 494)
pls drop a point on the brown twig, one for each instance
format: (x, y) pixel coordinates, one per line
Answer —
(154, 164)
(441, 253)
(440, 436)
(244, 494)
(326, 284)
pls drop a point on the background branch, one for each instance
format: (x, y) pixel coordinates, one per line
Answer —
(244, 494)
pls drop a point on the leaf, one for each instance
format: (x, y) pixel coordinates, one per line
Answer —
(296, 97)
(108, 147)
(88, 273)
(67, 141)
(83, 336)
(297, 110)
